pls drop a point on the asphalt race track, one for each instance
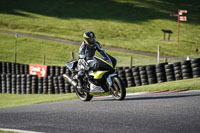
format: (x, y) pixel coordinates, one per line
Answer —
(147, 113)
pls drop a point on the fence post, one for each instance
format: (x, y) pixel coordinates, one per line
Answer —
(15, 47)
(158, 55)
(44, 60)
(131, 61)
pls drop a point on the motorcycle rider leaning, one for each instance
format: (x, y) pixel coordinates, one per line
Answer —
(86, 60)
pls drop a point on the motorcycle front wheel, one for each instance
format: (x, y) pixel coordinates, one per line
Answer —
(84, 96)
(118, 90)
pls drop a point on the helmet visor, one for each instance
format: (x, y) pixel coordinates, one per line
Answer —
(91, 40)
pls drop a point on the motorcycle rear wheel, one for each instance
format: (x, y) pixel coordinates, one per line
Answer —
(118, 90)
(84, 96)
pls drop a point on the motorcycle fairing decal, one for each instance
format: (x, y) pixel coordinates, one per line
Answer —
(97, 74)
(110, 64)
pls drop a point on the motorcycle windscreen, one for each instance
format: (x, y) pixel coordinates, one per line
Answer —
(105, 61)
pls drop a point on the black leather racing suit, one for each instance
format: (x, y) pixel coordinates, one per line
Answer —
(86, 54)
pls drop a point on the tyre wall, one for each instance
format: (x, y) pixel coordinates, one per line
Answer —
(14, 77)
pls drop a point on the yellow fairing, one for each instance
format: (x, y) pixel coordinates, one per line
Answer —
(98, 74)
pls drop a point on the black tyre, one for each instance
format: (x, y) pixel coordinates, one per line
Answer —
(185, 66)
(161, 65)
(129, 75)
(196, 69)
(118, 90)
(176, 64)
(195, 65)
(196, 72)
(142, 68)
(186, 71)
(195, 60)
(136, 73)
(159, 70)
(128, 70)
(185, 62)
(83, 96)
(169, 66)
(196, 76)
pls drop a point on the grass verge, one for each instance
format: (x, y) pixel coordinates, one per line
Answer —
(190, 84)
(12, 100)
(6, 131)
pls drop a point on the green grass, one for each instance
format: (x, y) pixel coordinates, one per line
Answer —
(6, 131)
(31, 51)
(189, 84)
(131, 24)
(12, 100)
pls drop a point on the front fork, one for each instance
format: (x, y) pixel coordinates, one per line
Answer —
(110, 80)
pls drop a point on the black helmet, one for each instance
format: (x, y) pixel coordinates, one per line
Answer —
(89, 37)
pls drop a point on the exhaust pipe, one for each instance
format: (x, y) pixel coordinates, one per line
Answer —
(68, 79)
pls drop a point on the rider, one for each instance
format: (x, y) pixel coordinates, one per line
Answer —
(86, 60)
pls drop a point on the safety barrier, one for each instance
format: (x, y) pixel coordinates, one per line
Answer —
(14, 77)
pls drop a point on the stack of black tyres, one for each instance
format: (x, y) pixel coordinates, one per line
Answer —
(26, 69)
(23, 84)
(136, 76)
(129, 77)
(18, 84)
(21, 67)
(28, 84)
(34, 85)
(8, 67)
(151, 74)
(143, 75)
(3, 83)
(122, 76)
(45, 85)
(169, 71)
(195, 63)
(52, 70)
(61, 84)
(17, 68)
(186, 69)
(40, 85)
(160, 72)
(55, 83)
(13, 67)
(57, 70)
(4, 67)
(8, 83)
(13, 83)
(178, 71)
(67, 87)
(50, 85)
(62, 70)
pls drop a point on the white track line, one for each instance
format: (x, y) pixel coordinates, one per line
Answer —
(18, 131)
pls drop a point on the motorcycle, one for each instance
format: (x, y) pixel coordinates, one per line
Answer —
(102, 76)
